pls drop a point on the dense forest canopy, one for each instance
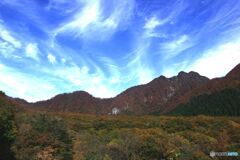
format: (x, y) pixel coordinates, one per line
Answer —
(222, 103)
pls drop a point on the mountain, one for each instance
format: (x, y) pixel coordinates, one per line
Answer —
(220, 96)
(78, 101)
(160, 96)
(154, 96)
(138, 100)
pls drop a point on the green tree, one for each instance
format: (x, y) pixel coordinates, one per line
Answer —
(8, 132)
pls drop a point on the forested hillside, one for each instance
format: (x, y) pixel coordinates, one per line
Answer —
(222, 103)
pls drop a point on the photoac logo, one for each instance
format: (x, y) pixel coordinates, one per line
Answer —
(223, 154)
(212, 154)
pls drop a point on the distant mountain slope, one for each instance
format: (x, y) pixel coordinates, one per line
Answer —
(221, 103)
(78, 101)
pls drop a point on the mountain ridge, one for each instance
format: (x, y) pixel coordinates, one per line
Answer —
(132, 100)
(160, 95)
(231, 80)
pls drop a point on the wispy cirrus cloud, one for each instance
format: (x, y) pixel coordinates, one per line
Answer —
(5, 35)
(114, 72)
(8, 43)
(138, 67)
(150, 26)
(174, 47)
(152, 23)
(6, 49)
(93, 20)
(155, 29)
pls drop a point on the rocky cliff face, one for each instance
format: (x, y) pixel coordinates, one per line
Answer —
(154, 96)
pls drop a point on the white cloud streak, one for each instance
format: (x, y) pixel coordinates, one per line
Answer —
(114, 71)
(6, 49)
(32, 51)
(5, 35)
(137, 67)
(152, 23)
(176, 46)
(51, 58)
(8, 43)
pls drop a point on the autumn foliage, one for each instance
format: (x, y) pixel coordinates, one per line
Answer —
(36, 135)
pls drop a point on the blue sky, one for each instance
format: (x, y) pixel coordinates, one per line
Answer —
(49, 47)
